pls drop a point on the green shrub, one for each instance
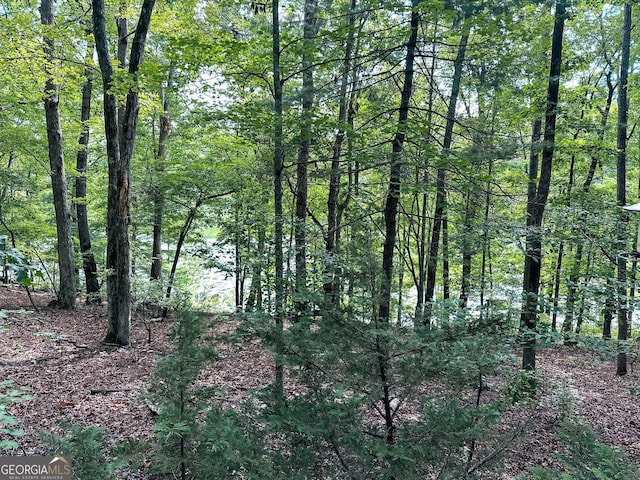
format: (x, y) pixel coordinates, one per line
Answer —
(85, 447)
(586, 458)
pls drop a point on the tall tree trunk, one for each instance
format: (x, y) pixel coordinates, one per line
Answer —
(278, 166)
(390, 222)
(239, 268)
(465, 283)
(84, 236)
(432, 262)
(331, 282)
(531, 282)
(157, 193)
(621, 196)
(119, 153)
(446, 284)
(254, 299)
(184, 231)
(556, 287)
(301, 301)
(574, 275)
(537, 195)
(486, 242)
(609, 309)
(67, 289)
(424, 220)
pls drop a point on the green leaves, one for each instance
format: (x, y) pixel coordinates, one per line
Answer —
(9, 396)
(16, 261)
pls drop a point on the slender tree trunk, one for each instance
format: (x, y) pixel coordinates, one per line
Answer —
(157, 194)
(432, 262)
(278, 166)
(465, 283)
(446, 284)
(537, 195)
(301, 302)
(119, 153)
(254, 300)
(556, 287)
(184, 231)
(574, 275)
(609, 309)
(621, 171)
(581, 310)
(239, 277)
(67, 289)
(531, 280)
(331, 282)
(486, 242)
(84, 236)
(424, 220)
(390, 222)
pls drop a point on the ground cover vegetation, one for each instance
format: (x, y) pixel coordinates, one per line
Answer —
(403, 201)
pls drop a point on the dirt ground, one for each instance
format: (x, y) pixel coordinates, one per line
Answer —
(58, 355)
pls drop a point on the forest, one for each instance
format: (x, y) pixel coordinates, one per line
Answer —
(321, 239)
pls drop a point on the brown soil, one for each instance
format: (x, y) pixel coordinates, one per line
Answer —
(58, 355)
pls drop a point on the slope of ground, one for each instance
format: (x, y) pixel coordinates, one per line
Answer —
(58, 355)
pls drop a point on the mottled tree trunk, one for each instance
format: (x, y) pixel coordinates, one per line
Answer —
(157, 195)
(301, 301)
(120, 143)
(67, 287)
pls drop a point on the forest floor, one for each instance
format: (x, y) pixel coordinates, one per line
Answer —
(58, 355)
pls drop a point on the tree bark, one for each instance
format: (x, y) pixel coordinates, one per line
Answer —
(424, 220)
(238, 267)
(84, 235)
(574, 274)
(157, 190)
(278, 166)
(67, 286)
(621, 195)
(537, 196)
(465, 283)
(119, 152)
(331, 281)
(390, 222)
(301, 302)
(441, 195)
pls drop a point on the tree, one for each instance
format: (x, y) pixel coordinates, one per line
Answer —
(84, 235)
(390, 222)
(278, 166)
(301, 302)
(67, 290)
(439, 221)
(538, 194)
(120, 144)
(621, 186)
(157, 196)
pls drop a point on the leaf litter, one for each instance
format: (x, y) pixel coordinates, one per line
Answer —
(59, 357)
